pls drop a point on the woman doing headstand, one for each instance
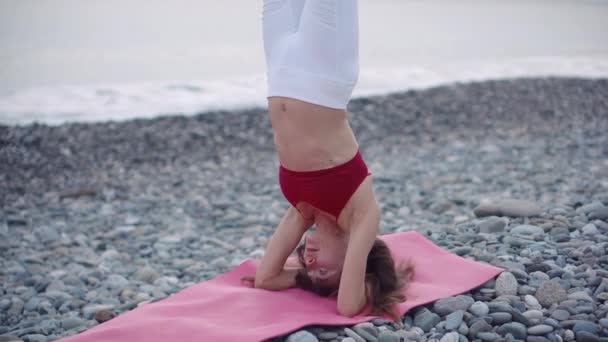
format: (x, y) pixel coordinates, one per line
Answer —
(311, 49)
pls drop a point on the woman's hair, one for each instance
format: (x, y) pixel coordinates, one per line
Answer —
(386, 281)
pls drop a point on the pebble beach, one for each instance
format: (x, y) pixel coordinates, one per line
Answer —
(97, 219)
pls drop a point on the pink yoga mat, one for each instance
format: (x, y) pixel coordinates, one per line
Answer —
(224, 309)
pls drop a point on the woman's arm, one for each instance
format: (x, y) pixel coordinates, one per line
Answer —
(272, 273)
(352, 293)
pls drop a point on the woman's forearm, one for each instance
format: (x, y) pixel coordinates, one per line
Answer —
(285, 280)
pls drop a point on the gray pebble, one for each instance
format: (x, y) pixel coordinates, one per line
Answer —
(71, 323)
(425, 319)
(454, 319)
(302, 336)
(518, 330)
(532, 302)
(35, 338)
(147, 274)
(388, 336)
(328, 335)
(506, 284)
(487, 336)
(549, 293)
(586, 326)
(500, 317)
(450, 337)
(446, 306)
(354, 335)
(560, 314)
(526, 229)
(585, 336)
(479, 309)
(540, 329)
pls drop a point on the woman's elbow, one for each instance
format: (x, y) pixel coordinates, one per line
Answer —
(259, 284)
(349, 310)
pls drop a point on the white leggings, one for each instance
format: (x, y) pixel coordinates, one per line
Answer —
(312, 50)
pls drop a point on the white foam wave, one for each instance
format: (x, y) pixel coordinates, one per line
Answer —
(102, 102)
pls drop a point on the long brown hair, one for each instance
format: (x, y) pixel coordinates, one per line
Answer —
(386, 281)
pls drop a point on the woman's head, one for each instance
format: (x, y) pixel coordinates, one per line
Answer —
(322, 255)
(386, 282)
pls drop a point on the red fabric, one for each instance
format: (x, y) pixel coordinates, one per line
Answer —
(329, 189)
(224, 309)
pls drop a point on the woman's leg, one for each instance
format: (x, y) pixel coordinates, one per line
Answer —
(280, 21)
(320, 62)
(328, 39)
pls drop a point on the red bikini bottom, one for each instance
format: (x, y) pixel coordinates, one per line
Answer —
(329, 189)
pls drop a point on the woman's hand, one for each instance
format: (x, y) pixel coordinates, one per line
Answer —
(249, 280)
(285, 280)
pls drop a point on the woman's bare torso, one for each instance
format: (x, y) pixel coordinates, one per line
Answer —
(310, 137)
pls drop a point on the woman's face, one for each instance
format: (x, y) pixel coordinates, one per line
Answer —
(324, 252)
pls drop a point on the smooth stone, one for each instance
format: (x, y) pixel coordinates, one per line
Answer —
(328, 335)
(552, 322)
(36, 338)
(500, 306)
(388, 336)
(534, 338)
(454, 319)
(462, 251)
(479, 309)
(479, 326)
(488, 336)
(520, 318)
(492, 225)
(568, 335)
(450, 337)
(446, 306)
(526, 229)
(426, 319)
(16, 306)
(147, 274)
(89, 310)
(71, 323)
(604, 323)
(104, 315)
(599, 214)
(500, 317)
(518, 330)
(487, 209)
(532, 302)
(363, 332)
(354, 335)
(589, 229)
(508, 207)
(580, 295)
(47, 234)
(533, 315)
(463, 329)
(550, 292)
(348, 339)
(380, 322)
(586, 326)
(560, 314)
(302, 336)
(506, 284)
(538, 267)
(32, 303)
(116, 281)
(585, 336)
(540, 329)
(5, 303)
